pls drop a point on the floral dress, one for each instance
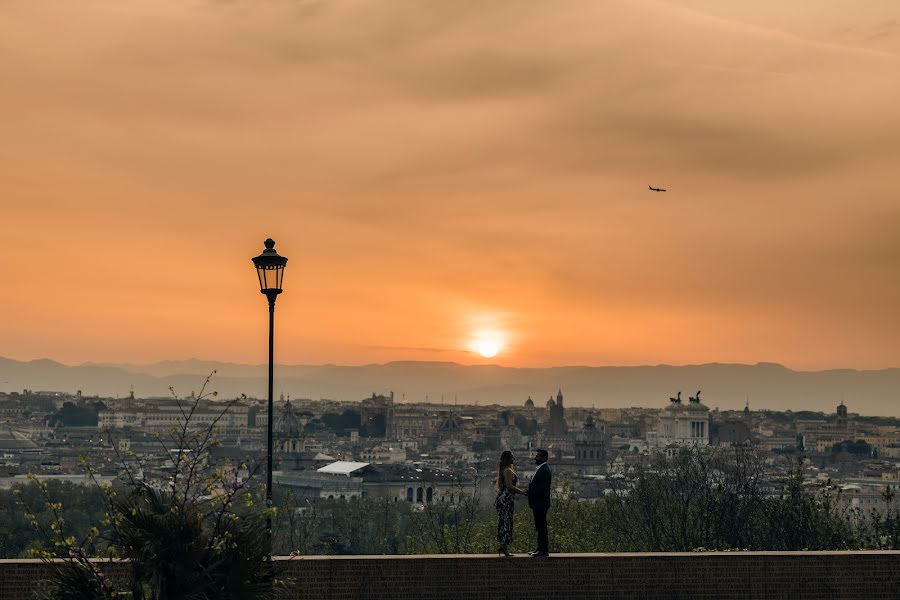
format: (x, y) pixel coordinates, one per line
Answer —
(504, 505)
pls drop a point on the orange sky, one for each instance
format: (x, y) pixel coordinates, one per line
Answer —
(433, 168)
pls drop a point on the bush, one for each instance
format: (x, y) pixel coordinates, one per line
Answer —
(202, 536)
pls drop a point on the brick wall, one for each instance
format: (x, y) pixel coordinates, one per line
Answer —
(18, 578)
(719, 576)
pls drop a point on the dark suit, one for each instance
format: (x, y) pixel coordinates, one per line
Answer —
(539, 502)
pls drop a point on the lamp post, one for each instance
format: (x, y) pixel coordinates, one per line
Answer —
(270, 270)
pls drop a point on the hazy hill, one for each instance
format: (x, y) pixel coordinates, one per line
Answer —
(724, 385)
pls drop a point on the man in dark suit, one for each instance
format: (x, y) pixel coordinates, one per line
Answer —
(539, 501)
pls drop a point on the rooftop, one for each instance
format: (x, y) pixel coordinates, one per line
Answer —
(342, 467)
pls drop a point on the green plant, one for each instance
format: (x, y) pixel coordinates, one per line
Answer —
(200, 535)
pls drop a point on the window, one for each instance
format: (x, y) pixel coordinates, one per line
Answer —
(419, 493)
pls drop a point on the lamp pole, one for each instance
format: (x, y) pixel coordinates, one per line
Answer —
(270, 270)
(271, 422)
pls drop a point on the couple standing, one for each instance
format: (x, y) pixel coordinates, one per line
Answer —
(538, 492)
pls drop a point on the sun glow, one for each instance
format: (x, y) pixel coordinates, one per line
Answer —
(487, 343)
(488, 348)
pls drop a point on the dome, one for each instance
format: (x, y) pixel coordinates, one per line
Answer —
(589, 433)
(529, 403)
(290, 424)
(551, 403)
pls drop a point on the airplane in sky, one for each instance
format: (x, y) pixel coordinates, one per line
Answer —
(653, 189)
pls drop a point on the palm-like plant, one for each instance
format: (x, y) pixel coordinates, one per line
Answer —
(180, 553)
(184, 540)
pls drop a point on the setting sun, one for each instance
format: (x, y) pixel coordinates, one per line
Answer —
(488, 348)
(487, 343)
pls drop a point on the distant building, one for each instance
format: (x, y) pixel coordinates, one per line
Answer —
(731, 433)
(589, 445)
(529, 407)
(289, 430)
(166, 414)
(344, 480)
(383, 454)
(841, 413)
(821, 435)
(681, 424)
(15, 441)
(405, 422)
(556, 420)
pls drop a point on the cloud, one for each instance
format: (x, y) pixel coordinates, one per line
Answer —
(422, 159)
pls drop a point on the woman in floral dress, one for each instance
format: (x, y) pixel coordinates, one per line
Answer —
(507, 486)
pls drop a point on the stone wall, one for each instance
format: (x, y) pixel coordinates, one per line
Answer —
(713, 575)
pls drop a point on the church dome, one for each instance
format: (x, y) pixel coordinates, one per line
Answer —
(589, 433)
(529, 403)
(289, 423)
(551, 403)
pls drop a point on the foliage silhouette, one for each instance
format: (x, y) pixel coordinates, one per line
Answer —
(201, 536)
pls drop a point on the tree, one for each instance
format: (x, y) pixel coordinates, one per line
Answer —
(375, 426)
(84, 510)
(450, 523)
(526, 426)
(858, 447)
(200, 536)
(887, 525)
(341, 424)
(296, 524)
(714, 499)
(74, 415)
(796, 519)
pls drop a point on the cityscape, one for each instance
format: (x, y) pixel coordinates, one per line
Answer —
(430, 299)
(406, 451)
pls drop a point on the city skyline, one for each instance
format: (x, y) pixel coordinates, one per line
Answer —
(451, 181)
(729, 387)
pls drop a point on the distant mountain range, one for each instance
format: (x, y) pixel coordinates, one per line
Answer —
(726, 386)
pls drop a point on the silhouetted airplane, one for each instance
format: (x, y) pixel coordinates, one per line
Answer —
(653, 189)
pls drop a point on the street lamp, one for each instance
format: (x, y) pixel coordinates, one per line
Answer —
(270, 270)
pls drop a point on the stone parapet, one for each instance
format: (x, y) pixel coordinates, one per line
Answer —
(651, 576)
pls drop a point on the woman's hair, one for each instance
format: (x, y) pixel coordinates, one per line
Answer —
(506, 460)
